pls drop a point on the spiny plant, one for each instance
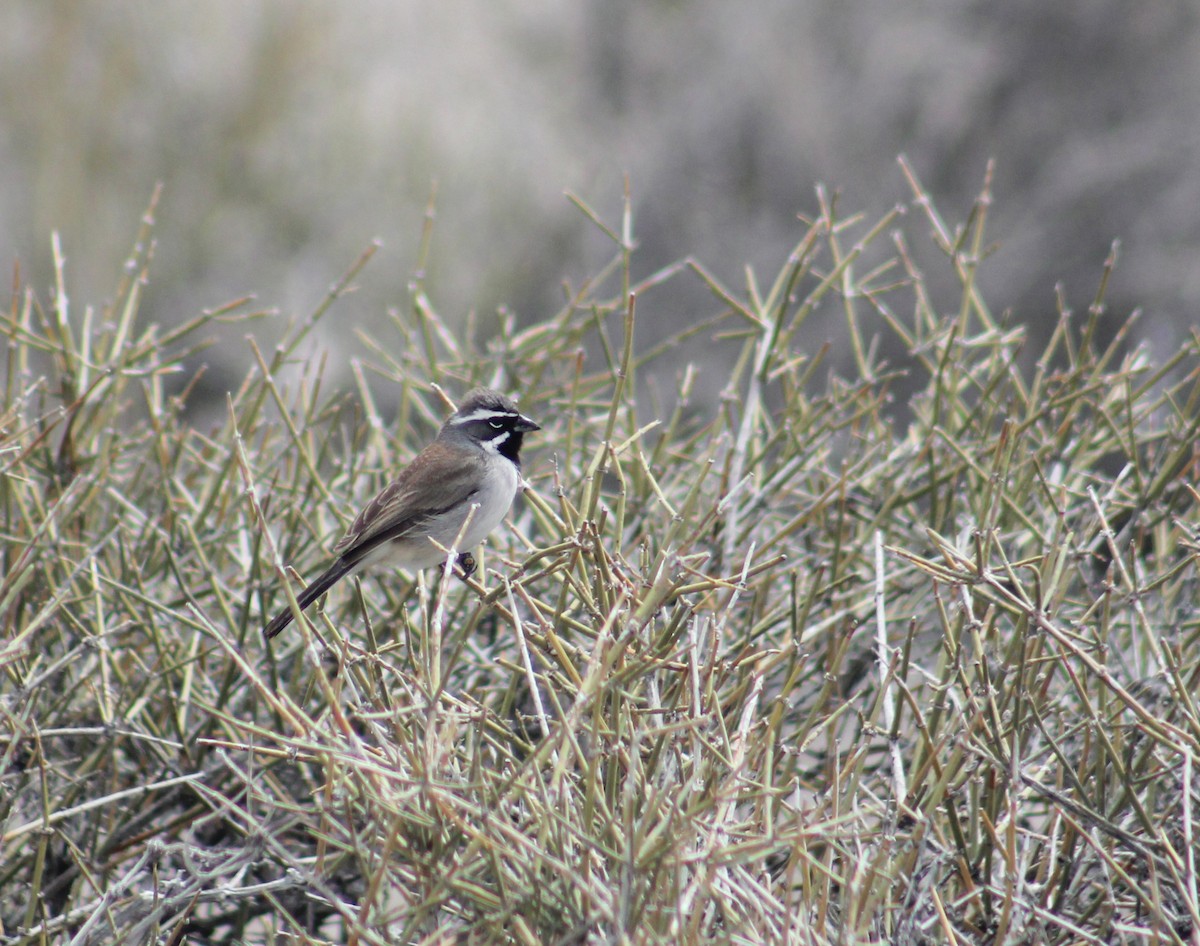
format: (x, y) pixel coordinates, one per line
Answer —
(899, 651)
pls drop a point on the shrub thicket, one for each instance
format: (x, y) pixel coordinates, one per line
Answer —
(819, 664)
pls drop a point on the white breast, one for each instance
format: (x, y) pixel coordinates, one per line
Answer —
(492, 501)
(495, 499)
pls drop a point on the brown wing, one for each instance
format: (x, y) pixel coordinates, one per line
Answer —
(435, 482)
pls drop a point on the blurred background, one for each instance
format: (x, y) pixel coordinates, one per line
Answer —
(288, 136)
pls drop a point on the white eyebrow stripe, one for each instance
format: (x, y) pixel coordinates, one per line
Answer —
(481, 414)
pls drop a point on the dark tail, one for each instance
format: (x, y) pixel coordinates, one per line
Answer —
(335, 573)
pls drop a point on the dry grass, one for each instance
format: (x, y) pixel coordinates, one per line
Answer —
(808, 667)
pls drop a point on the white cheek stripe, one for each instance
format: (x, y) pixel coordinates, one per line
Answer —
(493, 445)
(481, 414)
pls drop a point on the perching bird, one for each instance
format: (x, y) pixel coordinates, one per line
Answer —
(472, 469)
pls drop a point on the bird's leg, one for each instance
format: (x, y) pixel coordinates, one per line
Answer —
(466, 565)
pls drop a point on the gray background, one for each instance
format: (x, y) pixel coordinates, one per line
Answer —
(289, 135)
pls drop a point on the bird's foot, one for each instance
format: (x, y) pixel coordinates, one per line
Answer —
(465, 564)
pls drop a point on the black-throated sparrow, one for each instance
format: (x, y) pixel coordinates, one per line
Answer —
(472, 469)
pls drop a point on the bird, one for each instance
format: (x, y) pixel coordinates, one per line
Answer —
(470, 471)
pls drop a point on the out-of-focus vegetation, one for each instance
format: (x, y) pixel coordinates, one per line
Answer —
(789, 670)
(287, 135)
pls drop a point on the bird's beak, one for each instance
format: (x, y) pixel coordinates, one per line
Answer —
(524, 425)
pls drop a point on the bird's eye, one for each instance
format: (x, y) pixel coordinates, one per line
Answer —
(495, 424)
